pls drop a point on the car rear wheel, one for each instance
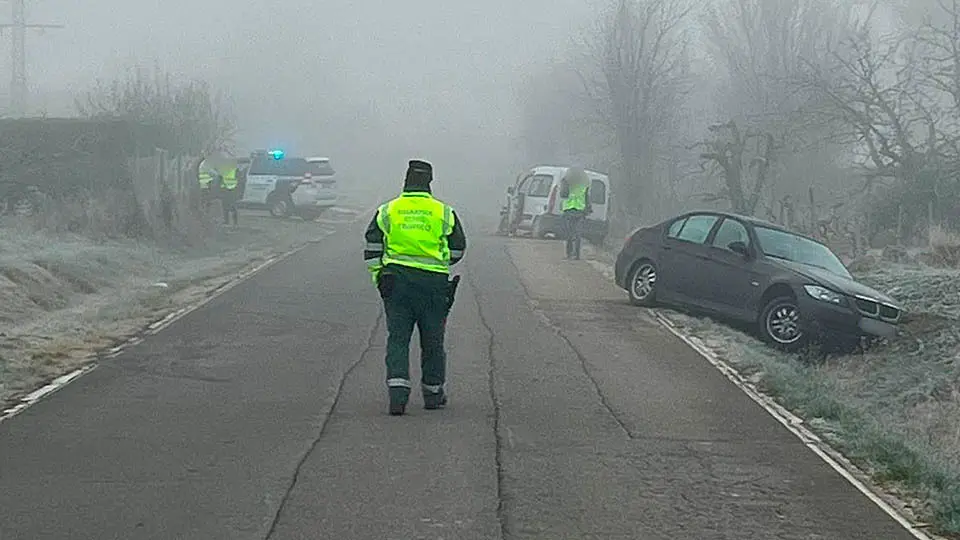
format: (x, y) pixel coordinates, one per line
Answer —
(642, 284)
(780, 324)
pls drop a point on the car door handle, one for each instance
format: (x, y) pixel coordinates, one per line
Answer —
(704, 257)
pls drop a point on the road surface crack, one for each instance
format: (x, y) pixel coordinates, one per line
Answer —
(495, 398)
(584, 363)
(323, 426)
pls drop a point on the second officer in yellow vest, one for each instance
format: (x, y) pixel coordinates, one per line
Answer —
(411, 244)
(229, 193)
(576, 207)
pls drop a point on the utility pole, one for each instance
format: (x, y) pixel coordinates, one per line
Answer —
(18, 81)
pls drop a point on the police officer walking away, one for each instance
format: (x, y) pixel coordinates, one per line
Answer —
(410, 245)
(576, 207)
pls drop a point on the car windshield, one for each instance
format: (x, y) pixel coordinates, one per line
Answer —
(791, 247)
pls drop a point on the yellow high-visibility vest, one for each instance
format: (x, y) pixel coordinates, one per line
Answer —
(577, 199)
(415, 228)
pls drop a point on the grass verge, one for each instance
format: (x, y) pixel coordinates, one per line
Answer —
(65, 297)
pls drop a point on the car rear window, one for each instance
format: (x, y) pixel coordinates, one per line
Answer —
(321, 168)
(279, 167)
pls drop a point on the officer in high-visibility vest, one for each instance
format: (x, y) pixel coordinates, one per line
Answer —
(576, 207)
(228, 193)
(410, 245)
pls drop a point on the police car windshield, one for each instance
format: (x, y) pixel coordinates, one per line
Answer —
(268, 166)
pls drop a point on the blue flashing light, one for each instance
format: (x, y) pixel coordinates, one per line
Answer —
(277, 154)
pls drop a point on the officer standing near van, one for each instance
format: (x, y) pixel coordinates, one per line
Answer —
(411, 244)
(576, 207)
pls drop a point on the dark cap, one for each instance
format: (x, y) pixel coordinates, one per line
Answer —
(419, 172)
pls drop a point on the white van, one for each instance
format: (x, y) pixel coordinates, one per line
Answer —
(534, 204)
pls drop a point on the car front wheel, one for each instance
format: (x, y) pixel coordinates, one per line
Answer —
(642, 284)
(780, 324)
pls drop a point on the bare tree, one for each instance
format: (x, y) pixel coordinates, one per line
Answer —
(199, 118)
(892, 95)
(758, 47)
(739, 155)
(640, 79)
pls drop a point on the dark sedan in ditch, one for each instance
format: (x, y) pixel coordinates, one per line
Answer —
(793, 288)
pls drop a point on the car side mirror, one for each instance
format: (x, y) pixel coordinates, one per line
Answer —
(739, 248)
(509, 191)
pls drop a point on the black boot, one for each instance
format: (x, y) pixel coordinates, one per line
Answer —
(434, 401)
(398, 401)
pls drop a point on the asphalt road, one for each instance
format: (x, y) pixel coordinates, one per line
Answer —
(263, 415)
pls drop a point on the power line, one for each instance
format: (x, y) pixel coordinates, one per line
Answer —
(18, 81)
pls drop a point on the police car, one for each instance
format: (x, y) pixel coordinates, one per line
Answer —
(286, 186)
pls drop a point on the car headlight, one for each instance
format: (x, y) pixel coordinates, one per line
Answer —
(823, 294)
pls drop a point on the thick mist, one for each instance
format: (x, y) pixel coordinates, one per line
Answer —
(367, 83)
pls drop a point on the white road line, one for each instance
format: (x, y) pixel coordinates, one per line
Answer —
(794, 424)
(157, 326)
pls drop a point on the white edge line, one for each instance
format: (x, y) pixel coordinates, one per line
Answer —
(155, 327)
(793, 423)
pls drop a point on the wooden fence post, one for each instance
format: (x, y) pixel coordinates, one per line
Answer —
(900, 225)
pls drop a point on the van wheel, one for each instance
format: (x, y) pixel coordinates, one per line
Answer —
(538, 231)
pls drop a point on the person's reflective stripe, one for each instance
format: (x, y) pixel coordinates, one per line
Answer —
(373, 247)
(456, 253)
(373, 262)
(383, 218)
(430, 261)
(398, 383)
(432, 388)
(447, 220)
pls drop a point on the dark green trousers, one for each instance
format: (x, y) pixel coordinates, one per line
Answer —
(415, 298)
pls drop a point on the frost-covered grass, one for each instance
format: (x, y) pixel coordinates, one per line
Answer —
(64, 297)
(893, 410)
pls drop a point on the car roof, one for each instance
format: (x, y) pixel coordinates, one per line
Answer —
(755, 221)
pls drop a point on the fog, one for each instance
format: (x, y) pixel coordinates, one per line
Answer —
(359, 81)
